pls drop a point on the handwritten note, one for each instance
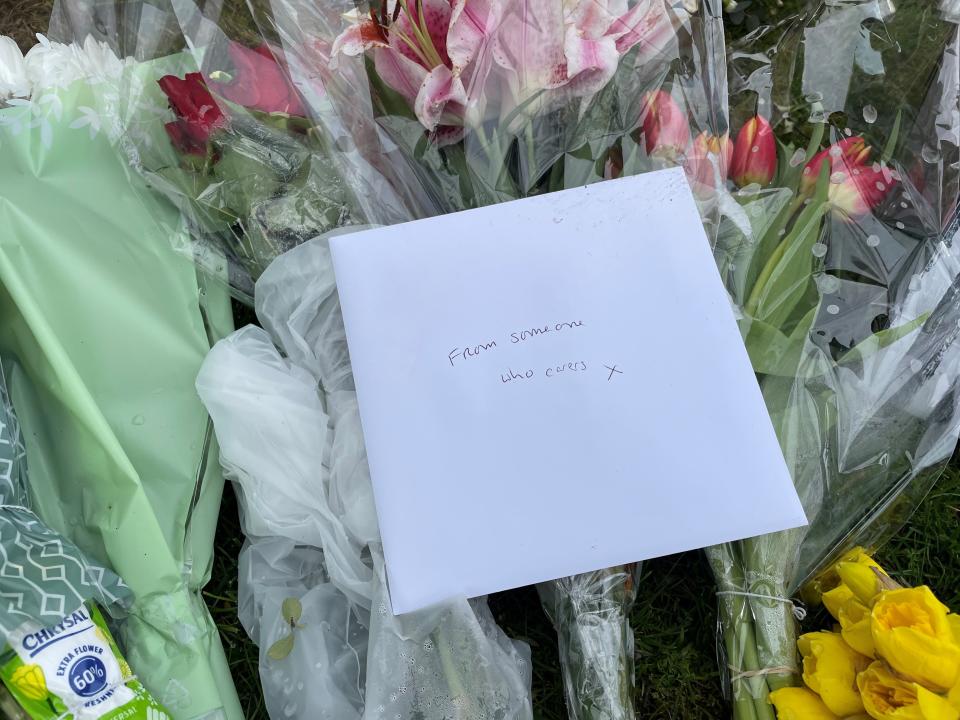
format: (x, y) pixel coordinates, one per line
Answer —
(553, 386)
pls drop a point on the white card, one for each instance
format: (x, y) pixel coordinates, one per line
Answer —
(553, 386)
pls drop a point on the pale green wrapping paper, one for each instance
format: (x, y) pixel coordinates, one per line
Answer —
(110, 324)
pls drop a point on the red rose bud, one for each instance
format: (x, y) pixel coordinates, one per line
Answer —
(260, 82)
(846, 155)
(665, 126)
(754, 154)
(182, 140)
(198, 114)
(709, 160)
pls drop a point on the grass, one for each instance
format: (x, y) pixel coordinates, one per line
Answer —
(675, 615)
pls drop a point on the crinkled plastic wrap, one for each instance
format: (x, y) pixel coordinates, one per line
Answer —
(283, 402)
(210, 118)
(457, 105)
(843, 256)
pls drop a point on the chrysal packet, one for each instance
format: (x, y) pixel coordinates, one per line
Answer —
(74, 670)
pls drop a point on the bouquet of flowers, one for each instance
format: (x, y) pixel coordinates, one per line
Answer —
(216, 126)
(109, 326)
(463, 105)
(895, 652)
(842, 255)
(313, 593)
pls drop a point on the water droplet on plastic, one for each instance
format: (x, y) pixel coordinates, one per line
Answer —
(904, 204)
(138, 420)
(848, 132)
(755, 149)
(797, 158)
(869, 114)
(873, 240)
(819, 250)
(915, 366)
(838, 177)
(930, 154)
(290, 710)
(900, 225)
(814, 97)
(300, 685)
(833, 309)
(558, 220)
(835, 151)
(828, 284)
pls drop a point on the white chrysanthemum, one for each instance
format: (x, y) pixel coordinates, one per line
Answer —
(52, 64)
(13, 71)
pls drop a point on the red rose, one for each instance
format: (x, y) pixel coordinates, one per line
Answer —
(198, 114)
(260, 82)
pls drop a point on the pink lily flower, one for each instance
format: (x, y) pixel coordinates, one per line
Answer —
(575, 45)
(429, 51)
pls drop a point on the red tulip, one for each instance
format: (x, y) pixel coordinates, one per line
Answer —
(259, 82)
(849, 153)
(754, 154)
(198, 114)
(856, 185)
(665, 127)
(709, 159)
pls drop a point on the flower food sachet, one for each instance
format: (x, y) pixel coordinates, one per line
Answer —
(74, 669)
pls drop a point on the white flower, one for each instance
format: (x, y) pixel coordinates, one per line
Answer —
(13, 71)
(51, 64)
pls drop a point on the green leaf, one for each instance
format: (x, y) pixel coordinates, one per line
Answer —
(771, 351)
(892, 140)
(281, 648)
(882, 339)
(788, 275)
(291, 610)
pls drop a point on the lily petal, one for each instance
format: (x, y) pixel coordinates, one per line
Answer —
(399, 72)
(529, 46)
(471, 25)
(356, 39)
(590, 63)
(440, 88)
(647, 22)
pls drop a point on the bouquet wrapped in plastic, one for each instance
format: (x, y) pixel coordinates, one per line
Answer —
(843, 255)
(457, 105)
(312, 592)
(896, 651)
(210, 119)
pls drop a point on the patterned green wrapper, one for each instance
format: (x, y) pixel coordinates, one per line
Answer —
(60, 660)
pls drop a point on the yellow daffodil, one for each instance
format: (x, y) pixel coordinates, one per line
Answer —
(795, 703)
(30, 682)
(856, 627)
(830, 669)
(912, 633)
(954, 621)
(887, 697)
(863, 576)
(836, 598)
(829, 580)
